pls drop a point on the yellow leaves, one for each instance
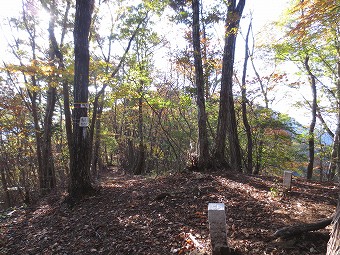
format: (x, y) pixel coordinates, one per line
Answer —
(34, 68)
(33, 88)
(231, 31)
(37, 74)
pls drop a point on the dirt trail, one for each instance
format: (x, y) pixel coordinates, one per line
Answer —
(137, 215)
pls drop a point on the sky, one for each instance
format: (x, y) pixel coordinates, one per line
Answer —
(264, 12)
(259, 8)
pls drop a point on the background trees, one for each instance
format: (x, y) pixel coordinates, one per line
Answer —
(317, 33)
(147, 92)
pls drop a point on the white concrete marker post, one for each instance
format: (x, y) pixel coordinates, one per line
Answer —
(287, 180)
(217, 228)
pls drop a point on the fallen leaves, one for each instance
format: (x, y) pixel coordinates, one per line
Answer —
(168, 215)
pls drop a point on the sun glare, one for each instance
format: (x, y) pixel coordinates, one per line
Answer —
(10, 9)
(44, 16)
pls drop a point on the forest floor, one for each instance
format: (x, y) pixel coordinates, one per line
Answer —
(168, 215)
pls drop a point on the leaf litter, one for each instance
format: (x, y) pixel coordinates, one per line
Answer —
(168, 215)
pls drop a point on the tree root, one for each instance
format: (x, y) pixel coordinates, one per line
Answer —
(291, 231)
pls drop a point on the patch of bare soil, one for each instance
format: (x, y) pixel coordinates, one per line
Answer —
(168, 215)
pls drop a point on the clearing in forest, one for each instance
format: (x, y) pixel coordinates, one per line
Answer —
(168, 215)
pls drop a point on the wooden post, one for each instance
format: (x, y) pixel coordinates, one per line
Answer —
(287, 180)
(218, 228)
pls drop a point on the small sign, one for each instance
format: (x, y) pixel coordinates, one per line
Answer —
(215, 206)
(81, 105)
(84, 122)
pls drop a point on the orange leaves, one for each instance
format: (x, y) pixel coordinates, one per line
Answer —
(277, 132)
(314, 17)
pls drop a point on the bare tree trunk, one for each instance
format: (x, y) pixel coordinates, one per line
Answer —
(249, 164)
(96, 150)
(333, 246)
(58, 55)
(80, 165)
(325, 126)
(226, 116)
(33, 95)
(4, 185)
(48, 181)
(259, 155)
(260, 140)
(34, 111)
(332, 165)
(139, 164)
(203, 145)
(312, 124)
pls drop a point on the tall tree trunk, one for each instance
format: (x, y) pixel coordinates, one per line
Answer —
(259, 155)
(249, 164)
(48, 181)
(333, 246)
(260, 139)
(337, 145)
(80, 165)
(97, 141)
(33, 95)
(139, 164)
(37, 131)
(3, 166)
(333, 165)
(61, 66)
(203, 145)
(204, 55)
(312, 124)
(226, 116)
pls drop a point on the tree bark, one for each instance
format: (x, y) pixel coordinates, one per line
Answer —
(226, 116)
(334, 165)
(260, 139)
(55, 48)
(249, 164)
(333, 246)
(324, 124)
(48, 181)
(203, 144)
(80, 165)
(312, 124)
(98, 107)
(3, 166)
(139, 164)
(37, 128)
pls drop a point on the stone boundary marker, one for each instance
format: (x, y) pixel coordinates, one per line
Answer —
(218, 228)
(287, 180)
